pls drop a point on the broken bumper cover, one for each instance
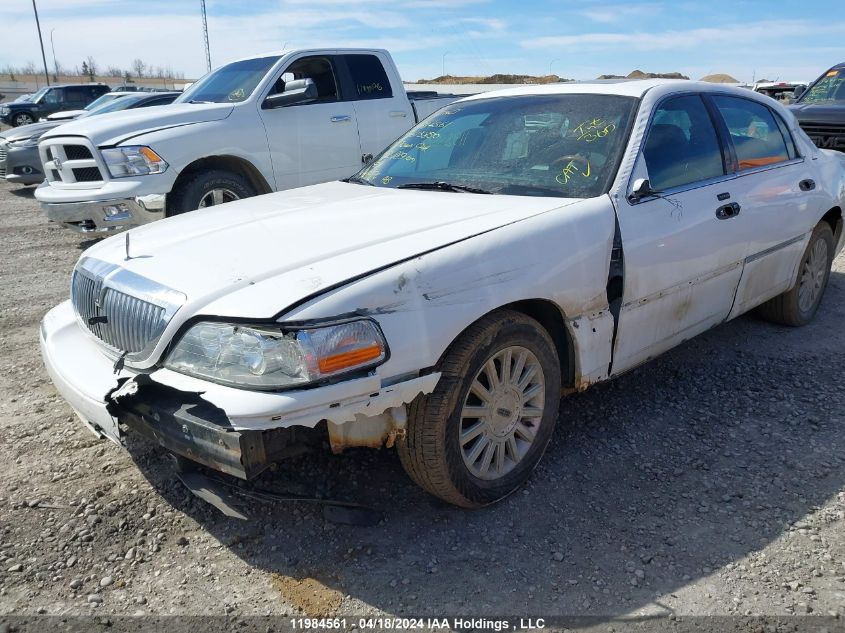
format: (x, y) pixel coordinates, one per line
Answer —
(231, 430)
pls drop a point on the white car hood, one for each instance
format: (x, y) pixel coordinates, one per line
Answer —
(115, 127)
(254, 258)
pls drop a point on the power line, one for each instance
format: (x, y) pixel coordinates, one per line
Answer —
(43, 56)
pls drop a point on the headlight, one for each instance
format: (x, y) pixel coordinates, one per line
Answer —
(4, 111)
(267, 357)
(133, 160)
(32, 141)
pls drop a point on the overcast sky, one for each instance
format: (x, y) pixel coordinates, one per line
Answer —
(786, 39)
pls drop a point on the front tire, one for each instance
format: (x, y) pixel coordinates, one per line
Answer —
(478, 436)
(23, 118)
(207, 189)
(798, 306)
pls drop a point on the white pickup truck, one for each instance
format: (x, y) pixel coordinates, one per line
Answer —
(250, 127)
(510, 245)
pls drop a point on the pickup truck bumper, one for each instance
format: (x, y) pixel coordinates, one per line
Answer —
(21, 165)
(219, 427)
(106, 215)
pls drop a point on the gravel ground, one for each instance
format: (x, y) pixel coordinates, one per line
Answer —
(709, 482)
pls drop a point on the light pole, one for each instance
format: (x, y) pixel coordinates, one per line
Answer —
(556, 59)
(444, 62)
(55, 63)
(41, 40)
(205, 36)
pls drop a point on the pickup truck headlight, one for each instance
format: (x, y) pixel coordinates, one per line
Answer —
(133, 160)
(267, 357)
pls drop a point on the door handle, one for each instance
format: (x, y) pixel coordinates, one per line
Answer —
(340, 118)
(807, 185)
(728, 211)
(401, 113)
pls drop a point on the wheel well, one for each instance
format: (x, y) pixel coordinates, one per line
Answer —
(229, 163)
(551, 318)
(834, 218)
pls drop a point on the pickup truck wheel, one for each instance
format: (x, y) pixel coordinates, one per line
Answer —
(798, 306)
(207, 189)
(23, 118)
(477, 437)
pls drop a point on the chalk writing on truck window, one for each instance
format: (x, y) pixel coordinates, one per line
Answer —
(386, 180)
(427, 135)
(368, 89)
(401, 156)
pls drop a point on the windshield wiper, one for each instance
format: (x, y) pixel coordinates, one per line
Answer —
(439, 185)
(358, 180)
(200, 101)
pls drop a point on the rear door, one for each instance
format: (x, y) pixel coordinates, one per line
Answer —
(775, 190)
(682, 254)
(317, 141)
(383, 115)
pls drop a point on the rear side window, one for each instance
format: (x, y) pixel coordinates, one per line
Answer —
(75, 95)
(756, 136)
(682, 146)
(368, 76)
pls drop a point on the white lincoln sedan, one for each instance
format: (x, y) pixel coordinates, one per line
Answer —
(509, 249)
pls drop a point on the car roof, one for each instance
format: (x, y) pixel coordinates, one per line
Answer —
(621, 87)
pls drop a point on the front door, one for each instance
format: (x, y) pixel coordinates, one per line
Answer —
(682, 256)
(312, 142)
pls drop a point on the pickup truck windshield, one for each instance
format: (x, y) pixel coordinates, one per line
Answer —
(37, 96)
(828, 89)
(566, 145)
(230, 83)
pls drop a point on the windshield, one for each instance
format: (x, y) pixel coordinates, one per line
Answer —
(828, 89)
(96, 103)
(230, 83)
(122, 102)
(37, 96)
(566, 146)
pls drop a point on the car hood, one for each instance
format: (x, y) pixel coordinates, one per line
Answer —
(819, 112)
(254, 258)
(65, 115)
(116, 127)
(28, 131)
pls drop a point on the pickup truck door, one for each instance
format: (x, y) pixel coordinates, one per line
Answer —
(682, 255)
(384, 113)
(777, 194)
(312, 142)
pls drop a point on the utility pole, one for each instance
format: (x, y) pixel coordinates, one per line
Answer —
(43, 56)
(205, 36)
(444, 61)
(55, 63)
(556, 59)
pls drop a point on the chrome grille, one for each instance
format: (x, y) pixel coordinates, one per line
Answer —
(70, 162)
(108, 302)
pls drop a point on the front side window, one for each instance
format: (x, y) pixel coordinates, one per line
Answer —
(369, 77)
(755, 134)
(566, 145)
(828, 89)
(318, 69)
(682, 147)
(231, 83)
(54, 96)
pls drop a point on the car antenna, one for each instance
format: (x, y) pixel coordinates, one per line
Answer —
(128, 256)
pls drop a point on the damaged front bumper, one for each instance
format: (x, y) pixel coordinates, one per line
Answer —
(231, 430)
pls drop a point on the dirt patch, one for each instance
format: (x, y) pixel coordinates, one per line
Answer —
(308, 595)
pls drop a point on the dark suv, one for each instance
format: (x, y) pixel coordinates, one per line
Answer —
(48, 100)
(820, 110)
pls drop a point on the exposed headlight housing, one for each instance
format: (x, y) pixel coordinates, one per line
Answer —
(269, 357)
(133, 160)
(31, 141)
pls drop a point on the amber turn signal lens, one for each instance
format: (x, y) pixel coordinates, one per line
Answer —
(345, 360)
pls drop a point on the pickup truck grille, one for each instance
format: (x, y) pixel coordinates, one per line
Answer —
(4, 150)
(68, 161)
(105, 304)
(826, 135)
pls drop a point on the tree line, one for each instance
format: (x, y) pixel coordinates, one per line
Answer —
(91, 68)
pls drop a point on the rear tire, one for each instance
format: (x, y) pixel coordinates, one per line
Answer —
(798, 306)
(209, 188)
(478, 436)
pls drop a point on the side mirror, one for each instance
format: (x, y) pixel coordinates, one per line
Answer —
(299, 91)
(799, 90)
(642, 189)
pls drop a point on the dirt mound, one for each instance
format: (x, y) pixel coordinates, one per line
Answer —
(719, 78)
(493, 79)
(639, 74)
